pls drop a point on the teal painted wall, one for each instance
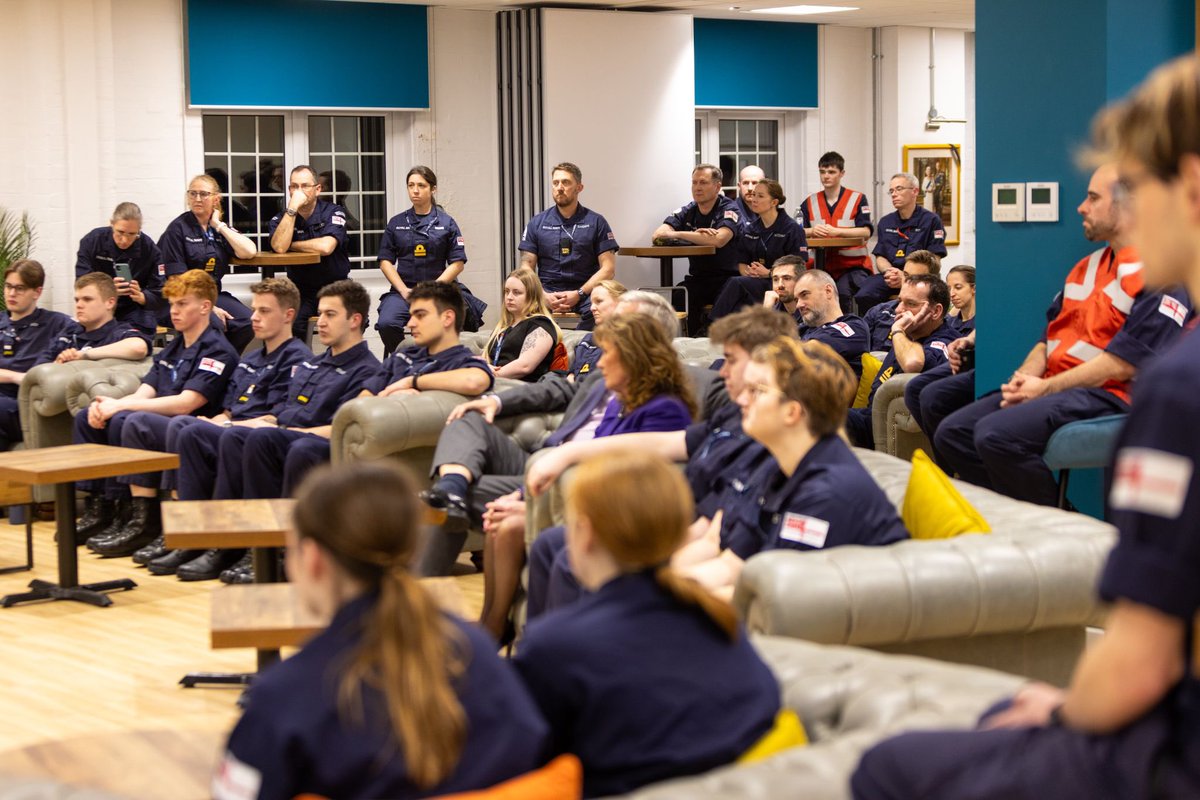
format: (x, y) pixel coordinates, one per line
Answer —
(1042, 70)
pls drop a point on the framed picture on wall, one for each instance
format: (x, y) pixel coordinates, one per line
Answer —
(937, 168)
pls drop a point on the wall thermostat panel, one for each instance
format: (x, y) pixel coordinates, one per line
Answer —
(1008, 202)
(1041, 202)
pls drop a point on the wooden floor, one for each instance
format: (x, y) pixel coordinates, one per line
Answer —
(72, 673)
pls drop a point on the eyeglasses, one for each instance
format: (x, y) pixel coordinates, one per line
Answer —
(901, 189)
(16, 288)
(305, 186)
(195, 195)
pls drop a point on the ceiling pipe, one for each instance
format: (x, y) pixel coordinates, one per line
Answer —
(933, 120)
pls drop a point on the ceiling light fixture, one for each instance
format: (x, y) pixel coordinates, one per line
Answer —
(802, 11)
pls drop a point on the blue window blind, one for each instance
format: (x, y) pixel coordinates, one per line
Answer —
(243, 53)
(786, 51)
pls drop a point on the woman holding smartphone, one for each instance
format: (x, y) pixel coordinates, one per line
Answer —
(132, 259)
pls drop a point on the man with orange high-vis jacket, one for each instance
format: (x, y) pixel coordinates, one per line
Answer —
(1102, 328)
(836, 211)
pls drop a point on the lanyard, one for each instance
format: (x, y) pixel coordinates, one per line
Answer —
(430, 220)
(499, 344)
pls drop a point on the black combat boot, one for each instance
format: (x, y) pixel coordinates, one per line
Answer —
(145, 523)
(98, 513)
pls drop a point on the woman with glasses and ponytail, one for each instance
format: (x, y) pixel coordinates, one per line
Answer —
(395, 698)
(200, 239)
(647, 677)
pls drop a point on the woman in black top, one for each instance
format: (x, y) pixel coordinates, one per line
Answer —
(523, 343)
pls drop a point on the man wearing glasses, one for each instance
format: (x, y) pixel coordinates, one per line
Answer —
(27, 334)
(311, 225)
(131, 258)
(907, 229)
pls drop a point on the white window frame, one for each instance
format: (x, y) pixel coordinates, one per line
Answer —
(399, 130)
(710, 135)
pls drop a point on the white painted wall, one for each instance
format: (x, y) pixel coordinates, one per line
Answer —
(624, 113)
(905, 94)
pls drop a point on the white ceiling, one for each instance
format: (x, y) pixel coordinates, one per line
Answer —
(870, 13)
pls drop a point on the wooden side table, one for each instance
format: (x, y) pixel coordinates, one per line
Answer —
(819, 245)
(61, 467)
(271, 263)
(666, 255)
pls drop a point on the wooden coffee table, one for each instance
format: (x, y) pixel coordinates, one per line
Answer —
(819, 245)
(61, 467)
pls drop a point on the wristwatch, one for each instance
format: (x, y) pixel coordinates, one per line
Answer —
(582, 294)
(291, 212)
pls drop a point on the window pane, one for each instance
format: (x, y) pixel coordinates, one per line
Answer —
(746, 134)
(372, 134)
(215, 133)
(321, 164)
(372, 174)
(319, 140)
(215, 162)
(241, 213)
(345, 170)
(728, 129)
(241, 168)
(271, 179)
(270, 135)
(241, 134)
(371, 244)
(373, 212)
(353, 208)
(345, 134)
(766, 134)
(770, 165)
(726, 166)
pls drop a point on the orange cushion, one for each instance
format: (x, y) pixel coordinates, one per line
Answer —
(561, 779)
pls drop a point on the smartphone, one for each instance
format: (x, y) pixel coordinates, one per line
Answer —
(123, 272)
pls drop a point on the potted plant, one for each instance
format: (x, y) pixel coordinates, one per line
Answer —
(16, 240)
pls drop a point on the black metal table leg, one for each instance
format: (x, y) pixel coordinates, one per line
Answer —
(68, 586)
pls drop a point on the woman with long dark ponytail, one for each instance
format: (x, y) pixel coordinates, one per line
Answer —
(649, 676)
(395, 698)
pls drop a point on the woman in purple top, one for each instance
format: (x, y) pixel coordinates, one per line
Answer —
(645, 388)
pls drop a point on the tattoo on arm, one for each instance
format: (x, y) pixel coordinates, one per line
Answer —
(537, 338)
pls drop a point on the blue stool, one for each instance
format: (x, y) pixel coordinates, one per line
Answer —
(1082, 445)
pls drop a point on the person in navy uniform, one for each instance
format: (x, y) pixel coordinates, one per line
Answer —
(836, 211)
(200, 239)
(760, 243)
(311, 225)
(271, 459)
(257, 389)
(934, 395)
(587, 354)
(748, 178)
(822, 320)
(395, 697)
(571, 248)
(189, 376)
(712, 220)
(920, 335)
(781, 296)
(436, 360)
(648, 677)
(122, 242)
(907, 229)
(26, 331)
(880, 318)
(716, 449)
(421, 244)
(1101, 329)
(1128, 725)
(815, 494)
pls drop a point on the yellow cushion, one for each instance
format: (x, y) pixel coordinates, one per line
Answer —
(870, 366)
(561, 779)
(933, 508)
(786, 733)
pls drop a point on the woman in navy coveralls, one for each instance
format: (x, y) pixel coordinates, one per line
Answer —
(395, 698)
(1128, 726)
(648, 677)
(423, 243)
